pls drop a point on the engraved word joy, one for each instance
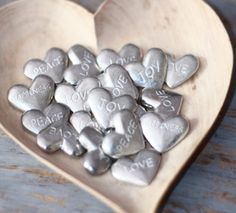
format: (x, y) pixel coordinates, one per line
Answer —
(149, 72)
(110, 106)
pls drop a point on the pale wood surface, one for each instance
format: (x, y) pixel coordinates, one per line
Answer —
(193, 192)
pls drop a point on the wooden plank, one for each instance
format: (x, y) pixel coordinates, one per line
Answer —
(209, 186)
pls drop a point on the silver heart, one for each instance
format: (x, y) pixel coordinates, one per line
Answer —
(50, 139)
(75, 98)
(53, 65)
(36, 120)
(166, 104)
(70, 143)
(84, 62)
(74, 74)
(103, 105)
(163, 135)
(96, 162)
(117, 80)
(139, 170)
(181, 70)
(126, 139)
(58, 136)
(82, 119)
(38, 96)
(152, 72)
(90, 138)
(129, 53)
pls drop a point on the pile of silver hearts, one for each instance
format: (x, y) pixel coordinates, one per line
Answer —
(111, 109)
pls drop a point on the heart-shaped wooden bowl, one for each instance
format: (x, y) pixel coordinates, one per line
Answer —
(29, 28)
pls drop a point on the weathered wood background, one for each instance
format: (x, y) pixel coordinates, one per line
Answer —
(209, 186)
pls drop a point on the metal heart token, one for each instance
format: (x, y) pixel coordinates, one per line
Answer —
(70, 143)
(57, 136)
(83, 119)
(54, 64)
(75, 98)
(166, 104)
(103, 105)
(152, 73)
(129, 53)
(36, 120)
(140, 170)
(163, 135)
(90, 138)
(117, 80)
(38, 96)
(181, 70)
(96, 162)
(126, 139)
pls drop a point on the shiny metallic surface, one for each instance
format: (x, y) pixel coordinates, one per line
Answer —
(117, 80)
(138, 170)
(75, 98)
(50, 139)
(74, 74)
(127, 138)
(181, 70)
(166, 104)
(152, 72)
(53, 65)
(90, 138)
(83, 119)
(164, 135)
(70, 144)
(129, 53)
(103, 105)
(36, 120)
(96, 162)
(38, 96)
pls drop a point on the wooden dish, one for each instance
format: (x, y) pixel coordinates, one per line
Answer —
(29, 28)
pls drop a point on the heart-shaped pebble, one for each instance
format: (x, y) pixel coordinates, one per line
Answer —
(90, 138)
(103, 105)
(58, 136)
(95, 161)
(166, 104)
(127, 138)
(83, 119)
(53, 65)
(163, 135)
(152, 72)
(181, 70)
(129, 53)
(75, 98)
(70, 142)
(38, 96)
(117, 80)
(139, 170)
(84, 65)
(36, 120)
